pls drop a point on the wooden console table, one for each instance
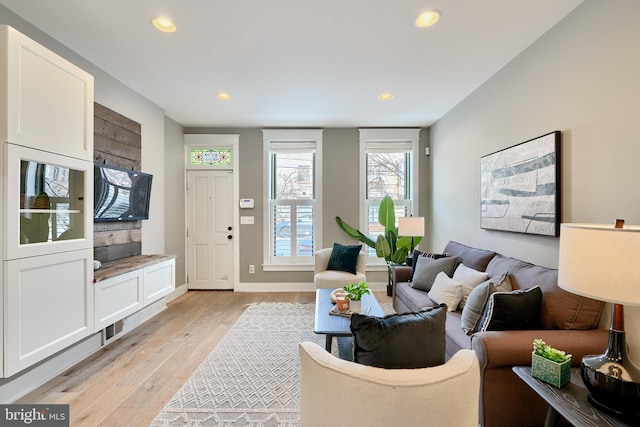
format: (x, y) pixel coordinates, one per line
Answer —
(569, 401)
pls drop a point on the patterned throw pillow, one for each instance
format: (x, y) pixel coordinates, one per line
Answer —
(446, 291)
(344, 258)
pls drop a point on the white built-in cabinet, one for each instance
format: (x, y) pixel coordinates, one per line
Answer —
(46, 211)
(120, 295)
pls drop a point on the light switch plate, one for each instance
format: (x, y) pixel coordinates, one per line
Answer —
(246, 220)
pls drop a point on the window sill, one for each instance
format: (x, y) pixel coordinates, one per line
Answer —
(287, 267)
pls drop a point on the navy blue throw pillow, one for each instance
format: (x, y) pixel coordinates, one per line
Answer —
(344, 258)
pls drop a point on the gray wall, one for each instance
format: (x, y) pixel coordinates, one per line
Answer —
(340, 159)
(581, 78)
(174, 210)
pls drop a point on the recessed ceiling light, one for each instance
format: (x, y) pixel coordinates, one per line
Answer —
(164, 24)
(387, 96)
(427, 18)
(223, 96)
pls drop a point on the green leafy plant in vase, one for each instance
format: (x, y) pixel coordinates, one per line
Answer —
(354, 292)
(549, 364)
(393, 248)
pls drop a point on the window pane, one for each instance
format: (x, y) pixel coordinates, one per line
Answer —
(387, 174)
(293, 176)
(293, 231)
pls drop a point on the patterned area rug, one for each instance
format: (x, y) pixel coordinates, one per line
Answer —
(252, 377)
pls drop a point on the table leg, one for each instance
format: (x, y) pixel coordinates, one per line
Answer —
(552, 419)
(327, 343)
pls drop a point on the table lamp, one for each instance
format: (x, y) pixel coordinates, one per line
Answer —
(603, 262)
(411, 226)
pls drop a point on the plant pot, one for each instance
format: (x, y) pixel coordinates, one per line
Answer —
(554, 373)
(355, 306)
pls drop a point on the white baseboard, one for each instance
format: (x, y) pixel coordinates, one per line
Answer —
(293, 287)
(180, 290)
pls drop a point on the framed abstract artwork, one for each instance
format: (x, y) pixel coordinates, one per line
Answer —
(521, 187)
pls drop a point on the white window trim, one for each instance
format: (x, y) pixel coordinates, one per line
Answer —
(388, 136)
(294, 136)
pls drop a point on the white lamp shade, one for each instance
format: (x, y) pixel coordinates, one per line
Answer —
(600, 262)
(411, 226)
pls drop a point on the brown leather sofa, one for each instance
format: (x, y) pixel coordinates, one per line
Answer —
(568, 322)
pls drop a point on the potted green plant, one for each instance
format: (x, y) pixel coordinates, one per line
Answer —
(354, 292)
(390, 246)
(549, 364)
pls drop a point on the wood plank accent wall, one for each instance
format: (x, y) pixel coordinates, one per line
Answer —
(118, 142)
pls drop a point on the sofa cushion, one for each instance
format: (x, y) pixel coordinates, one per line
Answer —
(515, 310)
(417, 254)
(560, 309)
(420, 335)
(428, 268)
(407, 299)
(344, 258)
(446, 291)
(469, 279)
(475, 258)
(474, 308)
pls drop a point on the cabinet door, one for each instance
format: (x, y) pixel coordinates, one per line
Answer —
(117, 298)
(48, 203)
(48, 306)
(159, 280)
(49, 101)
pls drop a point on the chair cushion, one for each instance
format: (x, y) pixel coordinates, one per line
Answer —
(420, 335)
(428, 268)
(344, 258)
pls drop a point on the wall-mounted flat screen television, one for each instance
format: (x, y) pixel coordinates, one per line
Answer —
(120, 194)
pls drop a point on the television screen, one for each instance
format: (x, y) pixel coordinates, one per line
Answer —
(120, 194)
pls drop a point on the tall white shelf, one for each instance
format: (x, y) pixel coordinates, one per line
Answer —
(46, 121)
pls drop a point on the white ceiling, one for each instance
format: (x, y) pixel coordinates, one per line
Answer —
(298, 63)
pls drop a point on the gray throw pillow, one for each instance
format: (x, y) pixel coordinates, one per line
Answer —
(427, 269)
(400, 341)
(477, 300)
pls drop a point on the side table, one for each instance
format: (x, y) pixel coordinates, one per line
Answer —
(569, 401)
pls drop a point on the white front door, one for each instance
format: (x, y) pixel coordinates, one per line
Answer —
(210, 233)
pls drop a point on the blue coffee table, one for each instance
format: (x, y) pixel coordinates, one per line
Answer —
(339, 326)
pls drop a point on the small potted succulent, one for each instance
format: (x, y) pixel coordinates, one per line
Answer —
(354, 292)
(550, 365)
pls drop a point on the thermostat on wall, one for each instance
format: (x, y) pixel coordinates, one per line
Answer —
(246, 203)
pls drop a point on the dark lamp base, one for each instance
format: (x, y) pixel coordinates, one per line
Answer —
(612, 380)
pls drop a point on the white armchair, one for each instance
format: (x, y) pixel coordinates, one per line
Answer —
(338, 392)
(324, 278)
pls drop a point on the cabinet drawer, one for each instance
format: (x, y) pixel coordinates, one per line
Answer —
(51, 306)
(159, 280)
(117, 298)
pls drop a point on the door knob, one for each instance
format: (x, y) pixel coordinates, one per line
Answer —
(229, 237)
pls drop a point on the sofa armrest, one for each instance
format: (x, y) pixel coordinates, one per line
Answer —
(497, 349)
(400, 273)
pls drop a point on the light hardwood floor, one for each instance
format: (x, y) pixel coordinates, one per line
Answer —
(129, 381)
